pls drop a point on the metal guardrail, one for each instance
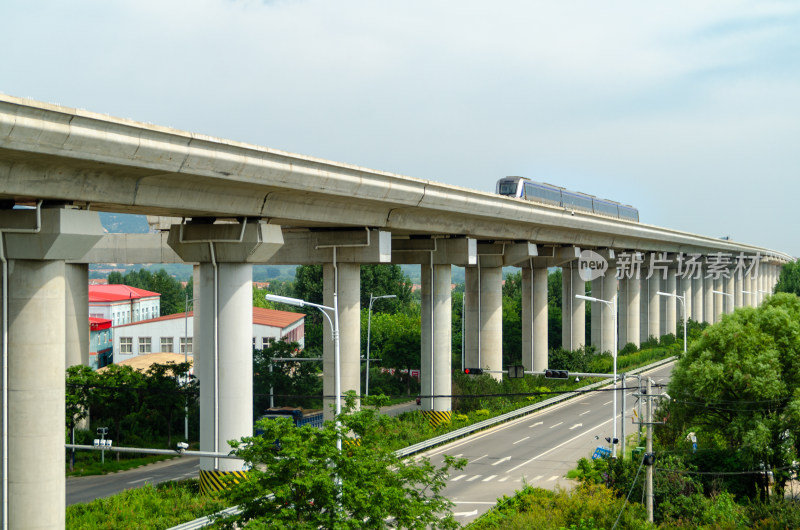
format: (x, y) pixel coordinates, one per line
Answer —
(439, 440)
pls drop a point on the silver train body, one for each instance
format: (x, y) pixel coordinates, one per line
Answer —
(529, 190)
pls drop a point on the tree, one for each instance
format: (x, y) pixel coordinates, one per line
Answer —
(80, 379)
(169, 390)
(298, 479)
(173, 294)
(738, 387)
(300, 379)
(789, 280)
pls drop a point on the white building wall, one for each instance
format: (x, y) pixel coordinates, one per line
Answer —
(173, 329)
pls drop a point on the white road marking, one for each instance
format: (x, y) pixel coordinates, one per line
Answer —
(538, 477)
(554, 477)
(502, 460)
(473, 461)
(503, 479)
(607, 402)
(535, 424)
(466, 514)
(487, 479)
(576, 426)
(140, 480)
(557, 424)
(518, 441)
(473, 478)
(582, 413)
(556, 447)
(457, 478)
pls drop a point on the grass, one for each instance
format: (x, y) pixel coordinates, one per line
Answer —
(145, 508)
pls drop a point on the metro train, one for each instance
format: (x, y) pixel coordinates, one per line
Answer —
(529, 190)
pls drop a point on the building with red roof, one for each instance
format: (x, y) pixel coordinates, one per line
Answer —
(101, 342)
(174, 333)
(122, 304)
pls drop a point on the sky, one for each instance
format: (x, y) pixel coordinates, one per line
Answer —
(688, 110)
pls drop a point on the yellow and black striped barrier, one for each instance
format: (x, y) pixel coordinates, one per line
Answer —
(211, 481)
(437, 417)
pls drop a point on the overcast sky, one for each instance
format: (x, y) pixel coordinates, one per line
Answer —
(687, 109)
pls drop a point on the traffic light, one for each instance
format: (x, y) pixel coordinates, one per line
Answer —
(556, 374)
(473, 371)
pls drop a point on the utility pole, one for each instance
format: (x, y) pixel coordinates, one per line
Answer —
(649, 461)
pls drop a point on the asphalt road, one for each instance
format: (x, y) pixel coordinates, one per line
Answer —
(86, 489)
(539, 449)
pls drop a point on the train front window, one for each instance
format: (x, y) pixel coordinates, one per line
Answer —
(508, 188)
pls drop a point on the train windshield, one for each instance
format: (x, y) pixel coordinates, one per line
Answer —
(508, 187)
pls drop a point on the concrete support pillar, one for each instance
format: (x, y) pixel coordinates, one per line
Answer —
(573, 310)
(622, 312)
(345, 280)
(686, 290)
(654, 307)
(223, 324)
(644, 309)
(729, 285)
(719, 299)
(631, 308)
(708, 300)
(697, 299)
(36, 338)
(762, 287)
(471, 316)
(597, 330)
(738, 295)
(527, 317)
(36, 355)
(753, 288)
(436, 337)
(671, 303)
(76, 277)
(540, 319)
(607, 317)
(491, 319)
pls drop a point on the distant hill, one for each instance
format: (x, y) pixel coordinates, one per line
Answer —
(124, 223)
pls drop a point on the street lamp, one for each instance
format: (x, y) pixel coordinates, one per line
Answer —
(612, 304)
(369, 329)
(683, 306)
(335, 332)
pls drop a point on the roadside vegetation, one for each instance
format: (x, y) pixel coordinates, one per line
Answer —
(737, 392)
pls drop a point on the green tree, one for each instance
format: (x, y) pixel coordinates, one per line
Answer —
(302, 481)
(298, 379)
(738, 387)
(117, 394)
(173, 293)
(789, 280)
(169, 390)
(80, 380)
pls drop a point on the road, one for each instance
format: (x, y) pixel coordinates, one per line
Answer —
(86, 489)
(539, 449)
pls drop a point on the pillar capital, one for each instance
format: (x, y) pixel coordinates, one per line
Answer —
(245, 242)
(58, 234)
(461, 251)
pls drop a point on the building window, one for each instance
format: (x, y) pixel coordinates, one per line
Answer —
(186, 345)
(145, 345)
(266, 341)
(126, 345)
(166, 345)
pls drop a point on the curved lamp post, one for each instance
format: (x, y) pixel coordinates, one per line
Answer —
(611, 304)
